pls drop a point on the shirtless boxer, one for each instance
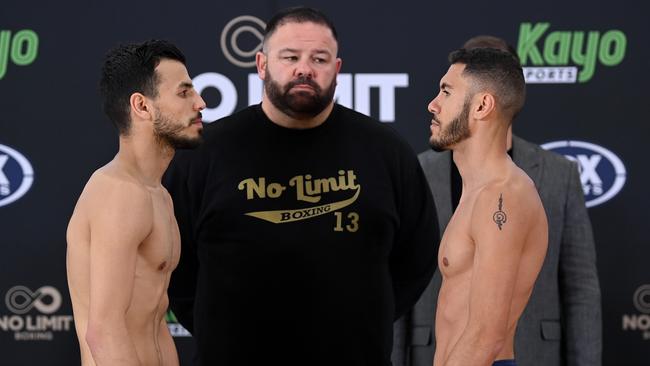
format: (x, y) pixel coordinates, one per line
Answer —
(123, 240)
(494, 245)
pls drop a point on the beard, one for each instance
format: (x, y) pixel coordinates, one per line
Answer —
(456, 131)
(301, 104)
(169, 133)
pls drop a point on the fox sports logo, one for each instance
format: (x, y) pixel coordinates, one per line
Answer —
(16, 175)
(602, 173)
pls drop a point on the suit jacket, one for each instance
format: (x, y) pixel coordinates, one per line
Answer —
(561, 324)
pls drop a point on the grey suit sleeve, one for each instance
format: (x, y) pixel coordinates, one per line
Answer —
(581, 306)
(400, 348)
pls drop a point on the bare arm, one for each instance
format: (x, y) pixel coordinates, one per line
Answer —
(167, 346)
(121, 220)
(499, 231)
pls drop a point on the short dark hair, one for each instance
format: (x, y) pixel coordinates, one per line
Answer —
(129, 69)
(487, 41)
(298, 14)
(497, 71)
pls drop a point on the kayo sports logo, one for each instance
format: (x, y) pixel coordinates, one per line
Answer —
(602, 173)
(16, 175)
(556, 60)
(21, 49)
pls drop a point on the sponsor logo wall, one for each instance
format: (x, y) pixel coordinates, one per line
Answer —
(639, 322)
(353, 90)
(562, 56)
(586, 73)
(34, 315)
(16, 175)
(17, 49)
(602, 173)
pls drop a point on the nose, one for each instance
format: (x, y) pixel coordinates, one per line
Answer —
(433, 107)
(199, 104)
(303, 69)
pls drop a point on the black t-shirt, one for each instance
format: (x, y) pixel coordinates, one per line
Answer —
(299, 246)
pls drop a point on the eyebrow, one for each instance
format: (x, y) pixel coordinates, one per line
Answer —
(322, 50)
(444, 85)
(317, 51)
(186, 84)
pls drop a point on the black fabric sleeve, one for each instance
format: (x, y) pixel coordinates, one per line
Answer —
(413, 257)
(182, 285)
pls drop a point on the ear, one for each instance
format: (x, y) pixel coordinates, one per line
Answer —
(486, 105)
(260, 62)
(339, 63)
(140, 106)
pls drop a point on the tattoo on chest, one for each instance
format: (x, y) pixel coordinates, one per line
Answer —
(500, 217)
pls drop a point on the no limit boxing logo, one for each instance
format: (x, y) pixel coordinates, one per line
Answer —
(21, 300)
(16, 175)
(639, 322)
(602, 173)
(32, 319)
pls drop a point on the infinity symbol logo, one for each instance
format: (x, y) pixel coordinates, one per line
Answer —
(20, 299)
(642, 299)
(230, 39)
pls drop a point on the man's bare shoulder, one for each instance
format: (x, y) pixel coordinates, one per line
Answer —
(111, 190)
(511, 204)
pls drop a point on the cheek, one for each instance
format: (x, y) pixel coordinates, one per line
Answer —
(453, 109)
(326, 78)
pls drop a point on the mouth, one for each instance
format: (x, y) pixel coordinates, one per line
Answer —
(303, 87)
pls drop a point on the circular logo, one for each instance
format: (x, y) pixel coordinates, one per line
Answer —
(642, 299)
(602, 173)
(232, 43)
(20, 299)
(16, 175)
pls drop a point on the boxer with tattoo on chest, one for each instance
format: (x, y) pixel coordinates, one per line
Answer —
(495, 244)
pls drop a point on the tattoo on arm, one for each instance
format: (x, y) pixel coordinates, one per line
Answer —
(500, 217)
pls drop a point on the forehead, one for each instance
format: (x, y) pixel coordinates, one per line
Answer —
(302, 36)
(454, 77)
(171, 73)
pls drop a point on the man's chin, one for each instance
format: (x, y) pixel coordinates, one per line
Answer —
(302, 100)
(437, 147)
(305, 108)
(187, 143)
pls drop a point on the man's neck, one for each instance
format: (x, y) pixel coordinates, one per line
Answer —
(145, 158)
(481, 158)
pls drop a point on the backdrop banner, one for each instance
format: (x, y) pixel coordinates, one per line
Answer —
(586, 66)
